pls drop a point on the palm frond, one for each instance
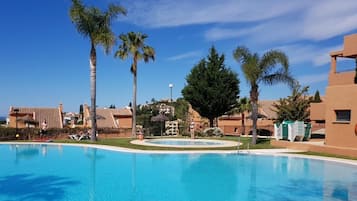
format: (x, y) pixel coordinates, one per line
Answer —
(93, 23)
(273, 57)
(251, 70)
(121, 53)
(242, 54)
(114, 10)
(149, 53)
(277, 77)
(79, 17)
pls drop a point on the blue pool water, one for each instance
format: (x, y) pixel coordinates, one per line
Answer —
(67, 173)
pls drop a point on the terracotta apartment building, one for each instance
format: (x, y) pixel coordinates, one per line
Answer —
(339, 109)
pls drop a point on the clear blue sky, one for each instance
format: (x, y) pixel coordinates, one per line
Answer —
(44, 61)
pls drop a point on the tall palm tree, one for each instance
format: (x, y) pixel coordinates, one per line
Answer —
(264, 70)
(95, 24)
(133, 44)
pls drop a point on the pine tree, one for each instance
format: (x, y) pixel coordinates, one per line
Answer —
(317, 98)
(212, 89)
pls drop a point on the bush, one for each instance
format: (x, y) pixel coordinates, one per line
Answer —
(215, 131)
(24, 133)
(34, 133)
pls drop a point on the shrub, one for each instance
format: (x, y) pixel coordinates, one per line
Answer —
(34, 133)
(214, 131)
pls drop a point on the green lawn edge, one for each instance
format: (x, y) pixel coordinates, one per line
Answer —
(125, 143)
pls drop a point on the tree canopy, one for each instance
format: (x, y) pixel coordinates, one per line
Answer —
(294, 107)
(317, 98)
(95, 24)
(212, 89)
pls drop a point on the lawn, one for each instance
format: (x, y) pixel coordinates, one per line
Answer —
(262, 143)
(125, 143)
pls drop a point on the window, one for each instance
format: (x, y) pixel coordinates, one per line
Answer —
(343, 115)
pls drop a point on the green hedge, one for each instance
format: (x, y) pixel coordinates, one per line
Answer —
(34, 133)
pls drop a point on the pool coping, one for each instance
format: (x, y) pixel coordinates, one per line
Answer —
(269, 152)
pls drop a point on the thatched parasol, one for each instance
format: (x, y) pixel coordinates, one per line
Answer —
(160, 118)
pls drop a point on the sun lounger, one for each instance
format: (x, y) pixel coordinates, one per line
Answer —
(83, 137)
(78, 137)
(74, 137)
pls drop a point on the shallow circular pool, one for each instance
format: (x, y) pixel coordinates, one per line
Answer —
(188, 143)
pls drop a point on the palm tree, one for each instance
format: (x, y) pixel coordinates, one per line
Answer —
(134, 44)
(95, 24)
(243, 106)
(264, 70)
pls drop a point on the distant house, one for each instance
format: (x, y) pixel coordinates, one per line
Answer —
(72, 119)
(166, 109)
(109, 118)
(172, 127)
(232, 124)
(33, 117)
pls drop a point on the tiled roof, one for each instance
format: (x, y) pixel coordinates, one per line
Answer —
(105, 117)
(266, 108)
(122, 112)
(51, 115)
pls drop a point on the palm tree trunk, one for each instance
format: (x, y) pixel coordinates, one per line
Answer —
(254, 118)
(93, 89)
(254, 99)
(243, 124)
(211, 122)
(133, 130)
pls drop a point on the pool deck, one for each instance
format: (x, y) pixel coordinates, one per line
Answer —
(272, 152)
(316, 146)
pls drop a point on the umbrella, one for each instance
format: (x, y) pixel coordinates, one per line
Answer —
(160, 118)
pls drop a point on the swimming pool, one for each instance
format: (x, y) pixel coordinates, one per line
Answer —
(185, 143)
(59, 172)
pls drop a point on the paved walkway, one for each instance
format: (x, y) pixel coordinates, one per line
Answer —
(316, 146)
